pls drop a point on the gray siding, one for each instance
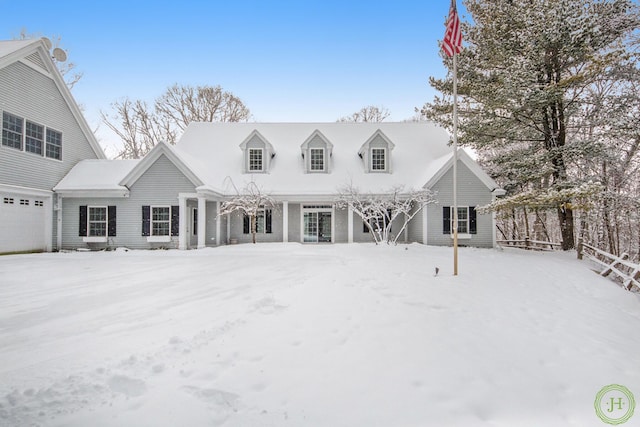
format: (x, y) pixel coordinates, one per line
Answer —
(35, 97)
(341, 226)
(159, 186)
(360, 235)
(237, 223)
(212, 214)
(295, 232)
(415, 227)
(471, 192)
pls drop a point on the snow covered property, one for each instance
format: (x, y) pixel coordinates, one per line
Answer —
(59, 192)
(311, 335)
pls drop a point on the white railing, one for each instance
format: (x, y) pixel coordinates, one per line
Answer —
(624, 270)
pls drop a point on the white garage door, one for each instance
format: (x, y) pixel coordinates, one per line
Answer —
(22, 223)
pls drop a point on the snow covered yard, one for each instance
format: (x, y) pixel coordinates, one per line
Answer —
(288, 334)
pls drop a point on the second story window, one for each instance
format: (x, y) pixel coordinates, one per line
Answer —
(378, 159)
(34, 137)
(54, 144)
(255, 160)
(317, 159)
(12, 128)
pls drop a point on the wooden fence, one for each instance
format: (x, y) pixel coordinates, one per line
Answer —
(623, 269)
(527, 243)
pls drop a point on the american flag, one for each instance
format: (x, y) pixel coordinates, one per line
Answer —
(452, 42)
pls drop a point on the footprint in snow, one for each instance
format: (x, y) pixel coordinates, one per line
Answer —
(130, 387)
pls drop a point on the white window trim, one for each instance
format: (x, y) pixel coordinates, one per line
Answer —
(151, 221)
(42, 141)
(23, 137)
(95, 239)
(466, 235)
(324, 159)
(317, 207)
(386, 160)
(158, 239)
(249, 150)
(88, 238)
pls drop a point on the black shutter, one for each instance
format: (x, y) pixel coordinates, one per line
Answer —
(111, 225)
(267, 220)
(175, 220)
(446, 220)
(82, 224)
(246, 224)
(146, 220)
(365, 229)
(472, 220)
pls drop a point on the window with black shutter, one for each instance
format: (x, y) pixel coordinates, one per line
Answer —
(473, 228)
(446, 220)
(111, 215)
(82, 225)
(175, 220)
(146, 220)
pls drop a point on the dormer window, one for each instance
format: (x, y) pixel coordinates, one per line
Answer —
(257, 153)
(376, 153)
(316, 159)
(316, 152)
(379, 159)
(255, 160)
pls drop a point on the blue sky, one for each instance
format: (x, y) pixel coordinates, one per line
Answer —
(288, 61)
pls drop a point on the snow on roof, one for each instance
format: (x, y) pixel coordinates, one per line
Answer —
(213, 152)
(7, 47)
(92, 174)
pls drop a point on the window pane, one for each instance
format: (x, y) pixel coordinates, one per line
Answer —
(11, 131)
(378, 159)
(160, 221)
(255, 159)
(34, 137)
(54, 144)
(317, 159)
(97, 221)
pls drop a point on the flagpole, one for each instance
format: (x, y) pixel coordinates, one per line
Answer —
(455, 164)
(451, 45)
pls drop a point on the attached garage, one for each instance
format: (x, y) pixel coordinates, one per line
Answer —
(25, 221)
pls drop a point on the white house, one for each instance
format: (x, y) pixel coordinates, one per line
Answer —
(172, 197)
(43, 136)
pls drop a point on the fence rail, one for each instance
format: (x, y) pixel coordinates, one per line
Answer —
(526, 243)
(620, 266)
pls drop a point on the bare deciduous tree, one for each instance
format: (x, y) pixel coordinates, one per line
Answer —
(380, 211)
(248, 201)
(370, 113)
(66, 68)
(141, 126)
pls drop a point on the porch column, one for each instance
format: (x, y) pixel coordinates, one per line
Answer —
(218, 225)
(425, 225)
(182, 222)
(406, 229)
(285, 222)
(349, 225)
(202, 222)
(58, 209)
(228, 227)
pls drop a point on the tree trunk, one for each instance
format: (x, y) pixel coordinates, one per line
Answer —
(565, 217)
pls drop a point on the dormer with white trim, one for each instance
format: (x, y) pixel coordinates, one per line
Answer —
(316, 152)
(376, 153)
(257, 153)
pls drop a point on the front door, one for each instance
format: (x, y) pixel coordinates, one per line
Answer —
(317, 224)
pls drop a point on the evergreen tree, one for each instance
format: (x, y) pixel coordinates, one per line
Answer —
(523, 76)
